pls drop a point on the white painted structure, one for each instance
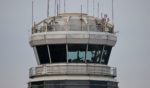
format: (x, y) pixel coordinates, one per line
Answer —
(75, 47)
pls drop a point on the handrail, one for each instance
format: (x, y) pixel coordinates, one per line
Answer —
(70, 69)
(50, 28)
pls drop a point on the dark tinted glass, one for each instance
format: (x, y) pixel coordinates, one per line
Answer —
(98, 54)
(76, 53)
(75, 84)
(39, 84)
(58, 53)
(94, 53)
(42, 51)
(105, 54)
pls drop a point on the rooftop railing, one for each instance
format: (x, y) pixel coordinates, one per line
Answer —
(72, 69)
(50, 28)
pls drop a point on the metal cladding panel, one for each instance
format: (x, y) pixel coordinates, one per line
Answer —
(71, 77)
(73, 69)
(55, 36)
(37, 42)
(97, 41)
(111, 42)
(56, 41)
(98, 36)
(73, 38)
(38, 36)
(78, 35)
(77, 41)
(112, 37)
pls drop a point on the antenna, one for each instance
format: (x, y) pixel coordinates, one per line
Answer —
(81, 15)
(81, 7)
(87, 6)
(47, 8)
(98, 8)
(64, 6)
(101, 8)
(32, 13)
(93, 8)
(112, 11)
(57, 7)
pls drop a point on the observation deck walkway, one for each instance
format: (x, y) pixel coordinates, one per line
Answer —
(73, 69)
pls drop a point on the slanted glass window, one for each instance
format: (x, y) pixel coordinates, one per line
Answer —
(42, 51)
(58, 53)
(76, 53)
(94, 53)
(39, 84)
(105, 54)
(74, 84)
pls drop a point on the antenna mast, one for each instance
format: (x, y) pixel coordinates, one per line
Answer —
(101, 8)
(112, 11)
(93, 8)
(64, 6)
(98, 8)
(57, 7)
(87, 6)
(47, 8)
(81, 15)
(81, 7)
(32, 13)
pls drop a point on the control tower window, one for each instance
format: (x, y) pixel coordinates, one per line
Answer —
(58, 53)
(76, 53)
(39, 84)
(42, 51)
(94, 53)
(105, 54)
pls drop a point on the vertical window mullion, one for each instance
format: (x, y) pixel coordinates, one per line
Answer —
(86, 53)
(102, 53)
(49, 53)
(36, 55)
(67, 52)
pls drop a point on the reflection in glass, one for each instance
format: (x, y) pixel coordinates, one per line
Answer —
(76, 53)
(94, 53)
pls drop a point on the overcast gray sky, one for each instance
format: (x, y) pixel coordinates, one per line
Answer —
(131, 55)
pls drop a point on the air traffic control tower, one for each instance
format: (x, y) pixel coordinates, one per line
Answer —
(72, 51)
